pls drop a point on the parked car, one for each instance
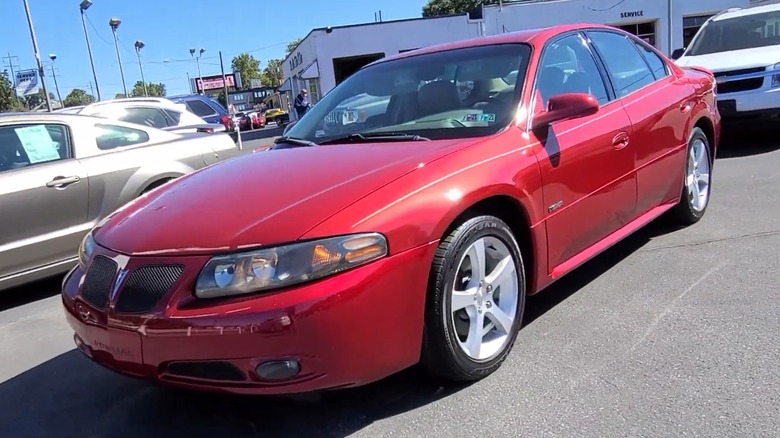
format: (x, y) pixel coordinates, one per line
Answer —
(256, 119)
(155, 112)
(280, 117)
(62, 173)
(206, 108)
(742, 48)
(441, 218)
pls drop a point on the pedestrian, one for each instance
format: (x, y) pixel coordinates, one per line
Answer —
(302, 103)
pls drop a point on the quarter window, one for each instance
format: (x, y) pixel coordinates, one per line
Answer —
(653, 60)
(30, 144)
(626, 67)
(567, 66)
(112, 137)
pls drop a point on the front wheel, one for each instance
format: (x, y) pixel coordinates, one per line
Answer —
(695, 196)
(475, 303)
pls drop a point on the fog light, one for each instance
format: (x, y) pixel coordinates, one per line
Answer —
(278, 369)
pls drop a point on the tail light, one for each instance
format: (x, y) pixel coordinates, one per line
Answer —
(207, 130)
(226, 121)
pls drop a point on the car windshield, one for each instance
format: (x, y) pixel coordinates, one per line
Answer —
(746, 32)
(467, 92)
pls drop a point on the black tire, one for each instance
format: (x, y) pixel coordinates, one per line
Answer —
(684, 214)
(442, 355)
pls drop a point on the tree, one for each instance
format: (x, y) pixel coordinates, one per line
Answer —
(157, 90)
(291, 46)
(36, 99)
(119, 96)
(78, 97)
(436, 8)
(8, 100)
(272, 73)
(248, 67)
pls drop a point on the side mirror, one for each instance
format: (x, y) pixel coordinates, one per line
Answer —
(566, 106)
(677, 54)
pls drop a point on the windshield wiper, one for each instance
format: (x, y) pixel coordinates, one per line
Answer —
(296, 142)
(369, 137)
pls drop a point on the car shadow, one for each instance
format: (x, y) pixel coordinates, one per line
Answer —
(71, 396)
(747, 141)
(28, 293)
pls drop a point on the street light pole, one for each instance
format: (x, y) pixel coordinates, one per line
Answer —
(197, 61)
(138, 46)
(53, 57)
(83, 7)
(114, 24)
(41, 73)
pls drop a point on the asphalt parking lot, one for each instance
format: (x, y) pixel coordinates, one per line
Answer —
(670, 333)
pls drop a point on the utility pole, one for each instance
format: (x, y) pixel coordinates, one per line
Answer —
(11, 66)
(41, 73)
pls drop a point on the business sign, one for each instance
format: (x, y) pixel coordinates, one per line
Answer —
(215, 82)
(296, 61)
(632, 14)
(27, 82)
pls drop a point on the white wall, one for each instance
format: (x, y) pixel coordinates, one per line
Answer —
(389, 37)
(516, 17)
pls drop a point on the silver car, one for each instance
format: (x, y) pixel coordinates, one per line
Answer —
(62, 173)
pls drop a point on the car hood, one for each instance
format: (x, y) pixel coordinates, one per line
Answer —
(734, 60)
(260, 199)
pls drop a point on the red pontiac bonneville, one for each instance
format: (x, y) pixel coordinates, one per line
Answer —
(452, 182)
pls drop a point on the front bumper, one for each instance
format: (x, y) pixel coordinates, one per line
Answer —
(754, 104)
(347, 330)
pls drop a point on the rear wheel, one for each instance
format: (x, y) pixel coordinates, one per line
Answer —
(695, 196)
(475, 301)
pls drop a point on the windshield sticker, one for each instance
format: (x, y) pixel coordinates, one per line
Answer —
(487, 117)
(471, 117)
(38, 144)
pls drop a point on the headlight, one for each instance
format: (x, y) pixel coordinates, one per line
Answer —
(271, 268)
(776, 77)
(86, 249)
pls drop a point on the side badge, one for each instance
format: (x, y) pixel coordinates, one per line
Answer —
(554, 207)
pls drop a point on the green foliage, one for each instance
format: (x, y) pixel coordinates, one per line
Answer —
(435, 8)
(154, 89)
(248, 67)
(291, 46)
(272, 73)
(78, 97)
(8, 100)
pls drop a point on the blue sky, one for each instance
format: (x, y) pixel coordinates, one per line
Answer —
(169, 28)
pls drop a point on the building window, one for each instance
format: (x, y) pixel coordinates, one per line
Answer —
(314, 90)
(691, 25)
(646, 31)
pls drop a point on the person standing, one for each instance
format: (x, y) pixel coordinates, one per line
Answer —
(302, 103)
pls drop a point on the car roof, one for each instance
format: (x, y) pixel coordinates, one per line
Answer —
(744, 12)
(530, 36)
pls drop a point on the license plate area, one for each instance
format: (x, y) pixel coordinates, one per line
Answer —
(118, 349)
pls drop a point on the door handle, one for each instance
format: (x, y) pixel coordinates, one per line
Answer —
(60, 182)
(620, 141)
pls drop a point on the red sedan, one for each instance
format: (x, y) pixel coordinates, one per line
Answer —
(465, 177)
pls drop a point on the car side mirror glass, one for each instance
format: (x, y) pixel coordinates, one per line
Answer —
(566, 106)
(677, 54)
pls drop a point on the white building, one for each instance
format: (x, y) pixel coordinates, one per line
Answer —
(327, 56)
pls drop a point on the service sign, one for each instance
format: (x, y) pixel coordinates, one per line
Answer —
(632, 14)
(27, 82)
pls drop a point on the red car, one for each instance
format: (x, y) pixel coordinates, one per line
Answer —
(490, 168)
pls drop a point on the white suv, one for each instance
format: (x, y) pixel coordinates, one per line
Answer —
(157, 112)
(742, 48)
